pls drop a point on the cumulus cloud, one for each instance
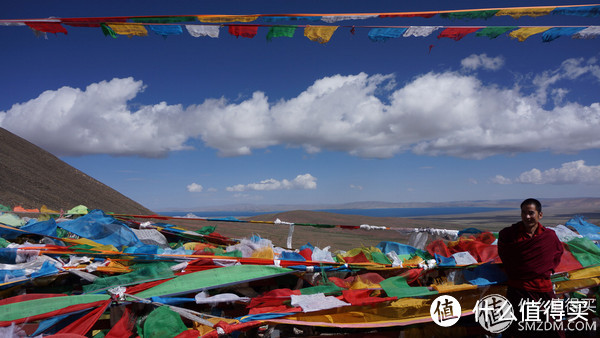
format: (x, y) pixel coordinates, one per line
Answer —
(306, 181)
(194, 187)
(576, 172)
(438, 113)
(474, 62)
(499, 179)
(356, 187)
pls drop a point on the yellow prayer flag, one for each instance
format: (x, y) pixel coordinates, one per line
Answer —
(321, 34)
(227, 18)
(44, 210)
(585, 273)
(516, 13)
(128, 29)
(523, 33)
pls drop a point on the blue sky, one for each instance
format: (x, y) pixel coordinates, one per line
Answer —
(185, 122)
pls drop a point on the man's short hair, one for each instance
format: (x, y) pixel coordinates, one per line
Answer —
(529, 201)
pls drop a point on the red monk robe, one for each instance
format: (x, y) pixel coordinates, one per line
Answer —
(529, 260)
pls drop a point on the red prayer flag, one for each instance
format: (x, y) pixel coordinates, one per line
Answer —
(457, 33)
(90, 22)
(47, 27)
(245, 31)
(85, 323)
(124, 327)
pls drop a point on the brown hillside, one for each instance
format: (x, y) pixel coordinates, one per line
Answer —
(32, 177)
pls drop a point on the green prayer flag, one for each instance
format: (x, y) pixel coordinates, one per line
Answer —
(492, 33)
(207, 230)
(144, 272)
(398, 287)
(380, 258)
(279, 31)
(214, 278)
(470, 15)
(328, 288)
(585, 251)
(4, 208)
(30, 308)
(163, 323)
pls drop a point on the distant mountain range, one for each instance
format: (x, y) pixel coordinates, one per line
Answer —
(576, 203)
(32, 177)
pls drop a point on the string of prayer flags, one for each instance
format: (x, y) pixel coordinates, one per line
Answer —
(164, 25)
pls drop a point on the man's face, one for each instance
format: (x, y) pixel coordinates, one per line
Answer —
(530, 216)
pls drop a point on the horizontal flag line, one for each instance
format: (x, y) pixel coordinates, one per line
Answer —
(399, 14)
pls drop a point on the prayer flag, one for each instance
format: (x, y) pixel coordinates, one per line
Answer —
(524, 33)
(246, 31)
(227, 18)
(494, 32)
(47, 27)
(469, 15)
(516, 13)
(279, 31)
(383, 34)
(457, 33)
(203, 30)
(128, 29)
(320, 34)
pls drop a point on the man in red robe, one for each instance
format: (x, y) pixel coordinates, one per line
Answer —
(530, 253)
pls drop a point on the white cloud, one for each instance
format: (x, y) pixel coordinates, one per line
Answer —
(570, 69)
(447, 113)
(576, 172)
(499, 179)
(474, 62)
(194, 188)
(306, 181)
(356, 187)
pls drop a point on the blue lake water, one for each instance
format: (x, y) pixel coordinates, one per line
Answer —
(382, 212)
